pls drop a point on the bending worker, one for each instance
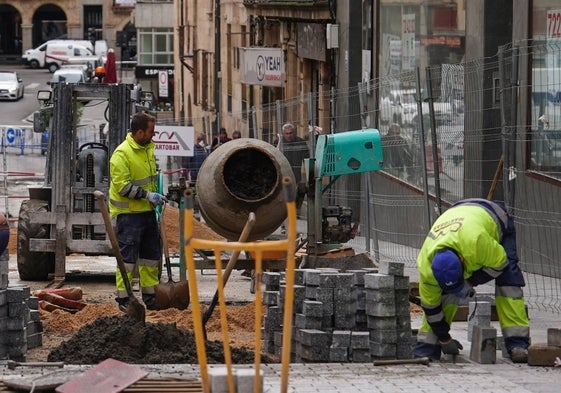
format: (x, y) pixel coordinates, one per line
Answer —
(470, 244)
(132, 199)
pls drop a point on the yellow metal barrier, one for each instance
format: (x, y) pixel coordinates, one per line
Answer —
(258, 248)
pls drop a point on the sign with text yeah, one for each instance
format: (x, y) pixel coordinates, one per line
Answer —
(174, 141)
(262, 66)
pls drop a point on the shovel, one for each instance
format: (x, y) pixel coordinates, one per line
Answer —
(170, 294)
(134, 309)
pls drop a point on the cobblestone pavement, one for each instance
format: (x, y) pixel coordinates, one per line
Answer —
(443, 376)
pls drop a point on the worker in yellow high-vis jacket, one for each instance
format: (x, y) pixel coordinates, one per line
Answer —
(132, 199)
(471, 243)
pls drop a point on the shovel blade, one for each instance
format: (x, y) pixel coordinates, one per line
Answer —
(172, 295)
(136, 310)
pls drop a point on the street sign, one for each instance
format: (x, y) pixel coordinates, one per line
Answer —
(163, 83)
(10, 136)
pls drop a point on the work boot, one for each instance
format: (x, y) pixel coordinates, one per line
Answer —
(150, 303)
(123, 303)
(519, 355)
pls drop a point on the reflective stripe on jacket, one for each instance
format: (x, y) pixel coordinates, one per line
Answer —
(470, 231)
(132, 166)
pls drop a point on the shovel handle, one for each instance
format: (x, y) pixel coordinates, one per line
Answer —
(165, 241)
(230, 266)
(100, 196)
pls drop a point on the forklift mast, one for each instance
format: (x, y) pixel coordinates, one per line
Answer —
(61, 217)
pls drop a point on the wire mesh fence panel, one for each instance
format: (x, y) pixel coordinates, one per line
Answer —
(488, 128)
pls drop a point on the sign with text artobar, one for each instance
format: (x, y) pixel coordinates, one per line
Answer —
(262, 66)
(174, 141)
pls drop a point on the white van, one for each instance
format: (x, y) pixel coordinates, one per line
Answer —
(58, 54)
(35, 58)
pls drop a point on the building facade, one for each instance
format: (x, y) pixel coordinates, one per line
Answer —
(27, 24)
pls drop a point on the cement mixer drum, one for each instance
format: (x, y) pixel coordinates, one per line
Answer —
(243, 176)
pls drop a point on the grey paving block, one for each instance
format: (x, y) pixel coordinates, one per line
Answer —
(271, 280)
(401, 282)
(245, 379)
(314, 353)
(312, 308)
(218, 376)
(273, 320)
(360, 355)
(311, 292)
(484, 345)
(378, 281)
(314, 337)
(341, 338)
(391, 268)
(16, 323)
(34, 340)
(16, 309)
(403, 322)
(344, 321)
(270, 298)
(338, 354)
(299, 276)
(386, 296)
(33, 303)
(380, 309)
(311, 277)
(360, 299)
(16, 338)
(277, 338)
(358, 279)
(384, 336)
(383, 351)
(328, 280)
(302, 321)
(404, 350)
(480, 308)
(345, 280)
(382, 323)
(325, 296)
(360, 340)
(554, 337)
(18, 293)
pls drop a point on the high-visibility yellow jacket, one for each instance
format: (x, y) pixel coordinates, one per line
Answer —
(473, 234)
(133, 172)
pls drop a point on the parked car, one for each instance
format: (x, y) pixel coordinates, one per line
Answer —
(11, 86)
(69, 75)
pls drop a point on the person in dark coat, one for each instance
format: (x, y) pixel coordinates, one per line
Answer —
(294, 148)
(193, 164)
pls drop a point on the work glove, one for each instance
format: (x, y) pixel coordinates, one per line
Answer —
(466, 292)
(155, 198)
(451, 347)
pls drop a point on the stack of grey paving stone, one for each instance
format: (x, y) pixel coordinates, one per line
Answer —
(20, 321)
(341, 316)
